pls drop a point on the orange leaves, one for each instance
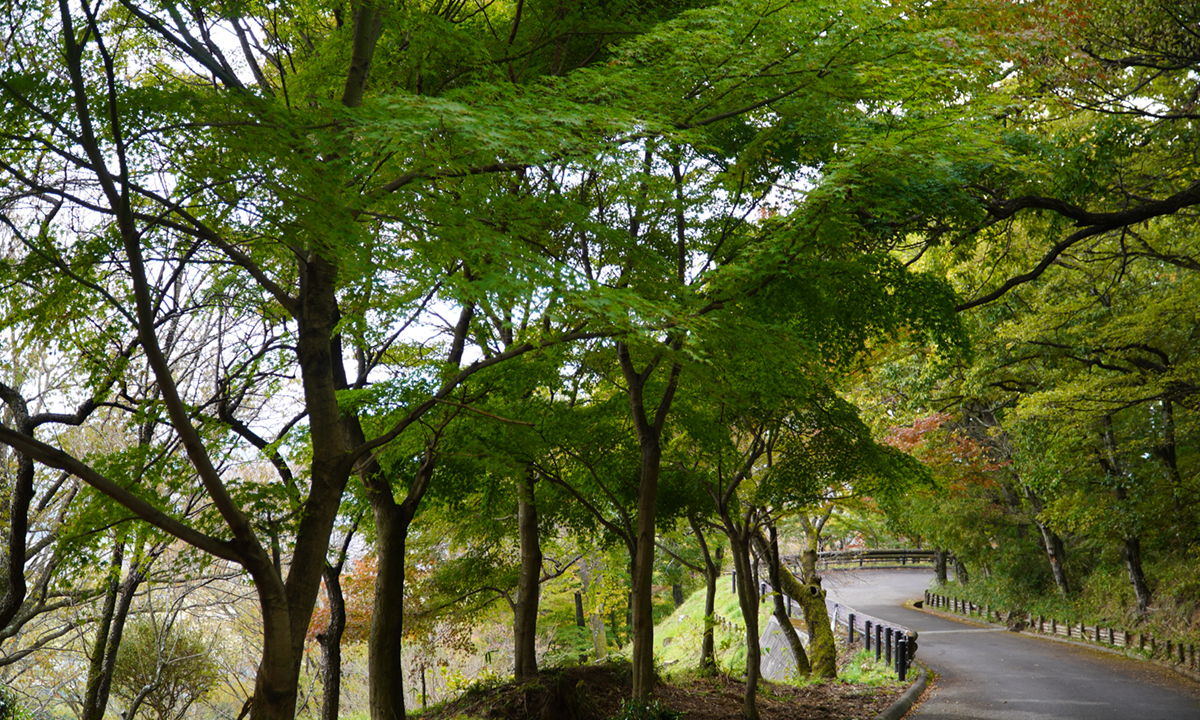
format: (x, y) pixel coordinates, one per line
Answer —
(957, 459)
(358, 592)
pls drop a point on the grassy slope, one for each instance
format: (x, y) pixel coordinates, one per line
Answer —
(677, 640)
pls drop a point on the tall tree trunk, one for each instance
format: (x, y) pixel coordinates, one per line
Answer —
(331, 644)
(595, 620)
(103, 659)
(529, 583)
(392, 520)
(16, 500)
(747, 591)
(641, 607)
(1133, 564)
(649, 430)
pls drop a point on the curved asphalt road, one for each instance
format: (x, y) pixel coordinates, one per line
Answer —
(988, 673)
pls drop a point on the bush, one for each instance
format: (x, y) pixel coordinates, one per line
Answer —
(642, 710)
(174, 660)
(10, 707)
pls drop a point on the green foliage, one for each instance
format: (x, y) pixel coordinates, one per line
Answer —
(862, 669)
(175, 661)
(646, 710)
(11, 707)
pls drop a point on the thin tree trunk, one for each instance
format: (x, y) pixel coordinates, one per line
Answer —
(331, 644)
(712, 571)
(108, 637)
(649, 430)
(18, 499)
(939, 565)
(1132, 546)
(960, 572)
(822, 648)
(1051, 543)
(747, 590)
(1133, 564)
(595, 620)
(92, 709)
(529, 583)
(803, 667)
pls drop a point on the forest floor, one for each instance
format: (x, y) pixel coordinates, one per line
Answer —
(596, 692)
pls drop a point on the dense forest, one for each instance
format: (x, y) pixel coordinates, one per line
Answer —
(361, 326)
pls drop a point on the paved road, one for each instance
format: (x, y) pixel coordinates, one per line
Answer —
(992, 674)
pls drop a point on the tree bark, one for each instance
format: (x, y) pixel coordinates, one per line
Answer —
(822, 648)
(1132, 546)
(392, 520)
(1051, 542)
(649, 434)
(529, 583)
(1132, 551)
(108, 635)
(712, 570)
(960, 572)
(747, 591)
(331, 644)
(939, 565)
(641, 603)
(18, 499)
(803, 666)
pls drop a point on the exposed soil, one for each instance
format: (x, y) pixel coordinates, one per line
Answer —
(595, 693)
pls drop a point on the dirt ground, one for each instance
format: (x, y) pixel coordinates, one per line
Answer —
(595, 693)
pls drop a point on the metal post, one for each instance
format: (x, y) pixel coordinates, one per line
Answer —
(887, 647)
(850, 636)
(878, 642)
(901, 658)
(867, 636)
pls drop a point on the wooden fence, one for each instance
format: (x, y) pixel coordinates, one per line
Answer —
(867, 558)
(1173, 651)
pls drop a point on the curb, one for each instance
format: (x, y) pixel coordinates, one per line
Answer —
(901, 707)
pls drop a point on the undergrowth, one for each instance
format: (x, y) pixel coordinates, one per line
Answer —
(1101, 594)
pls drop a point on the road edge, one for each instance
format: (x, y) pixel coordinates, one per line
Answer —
(900, 708)
(1178, 669)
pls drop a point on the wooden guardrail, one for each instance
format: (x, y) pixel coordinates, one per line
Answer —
(1173, 651)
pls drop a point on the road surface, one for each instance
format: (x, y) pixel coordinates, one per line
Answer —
(985, 673)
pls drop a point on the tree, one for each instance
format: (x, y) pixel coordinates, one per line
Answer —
(166, 666)
(290, 217)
